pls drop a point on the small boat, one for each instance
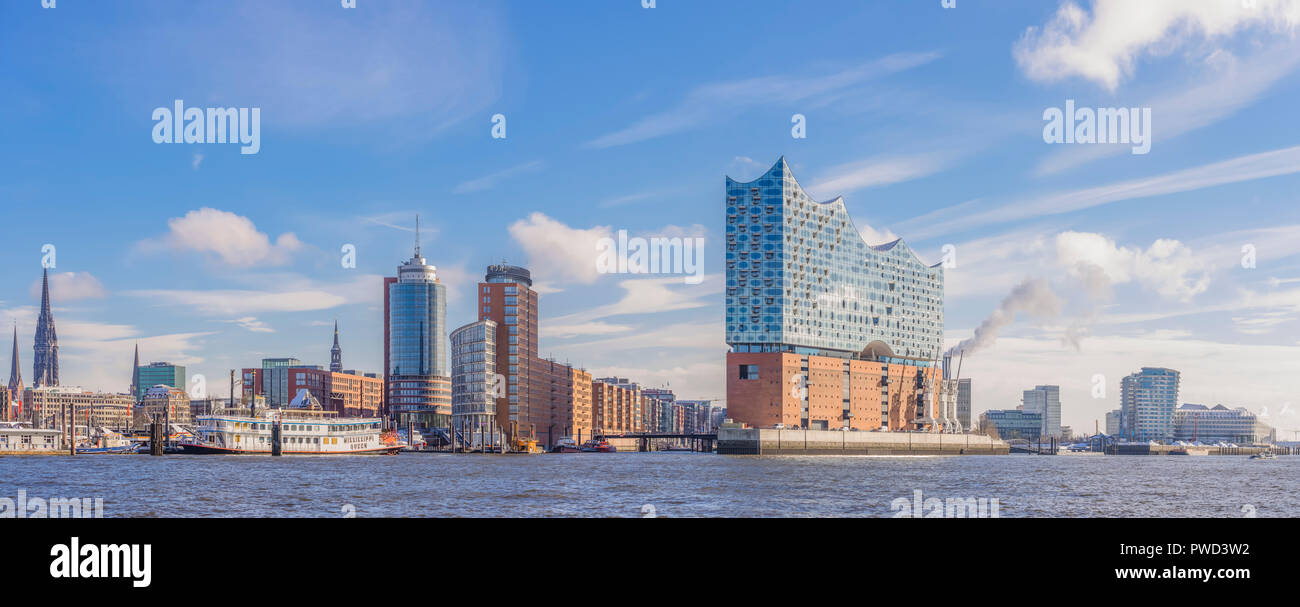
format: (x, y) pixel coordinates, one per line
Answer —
(1264, 455)
(106, 441)
(565, 445)
(598, 446)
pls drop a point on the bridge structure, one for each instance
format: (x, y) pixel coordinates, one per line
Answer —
(703, 443)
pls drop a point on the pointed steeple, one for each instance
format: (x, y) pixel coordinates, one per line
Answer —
(336, 353)
(135, 373)
(45, 361)
(15, 372)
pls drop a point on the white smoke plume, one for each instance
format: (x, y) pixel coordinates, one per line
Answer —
(1033, 296)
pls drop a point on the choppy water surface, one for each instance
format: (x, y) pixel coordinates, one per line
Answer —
(674, 484)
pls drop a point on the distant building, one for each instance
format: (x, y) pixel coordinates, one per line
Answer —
(160, 399)
(280, 380)
(1047, 401)
(963, 403)
(48, 407)
(154, 374)
(568, 393)
(1149, 398)
(1014, 424)
(474, 376)
(1220, 424)
(415, 345)
(1113, 421)
(616, 405)
(271, 381)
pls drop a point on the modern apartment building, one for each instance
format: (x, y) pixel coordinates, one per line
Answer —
(616, 406)
(1220, 424)
(1149, 398)
(416, 365)
(826, 330)
(1047, 401)
(474, 378)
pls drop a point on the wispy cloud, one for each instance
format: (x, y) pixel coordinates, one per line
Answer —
(879, 171)
(1227, 85)
(716, 102)
(1285, 161)
(490, 181)
(252, 324)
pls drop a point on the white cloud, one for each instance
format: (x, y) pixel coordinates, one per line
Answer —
(1104, 46)
(232, 239)
(69, 286)
(719, 101)
(1167, 266)
(649, 296)
(490, 181)
(557, 252)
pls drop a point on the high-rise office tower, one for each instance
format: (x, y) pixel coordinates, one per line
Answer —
(1149, 399)
(415, 337)
(506, 297)
(963, 402)
(45, 360)
(1046, 400)
(826, 330)
(158, 374)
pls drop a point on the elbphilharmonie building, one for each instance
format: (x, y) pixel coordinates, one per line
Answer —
(826, 330)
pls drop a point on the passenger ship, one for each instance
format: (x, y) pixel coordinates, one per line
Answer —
(305, 429)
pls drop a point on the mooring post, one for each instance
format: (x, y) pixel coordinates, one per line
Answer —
(277, 448)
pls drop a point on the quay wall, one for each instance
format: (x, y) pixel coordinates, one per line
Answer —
(756, 441)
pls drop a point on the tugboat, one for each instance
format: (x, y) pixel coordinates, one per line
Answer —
(1264, 455)
(565, 445)
(598, 446)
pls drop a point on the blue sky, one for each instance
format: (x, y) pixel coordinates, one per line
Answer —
(928, 120)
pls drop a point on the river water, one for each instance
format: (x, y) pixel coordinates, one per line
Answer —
(678, 484)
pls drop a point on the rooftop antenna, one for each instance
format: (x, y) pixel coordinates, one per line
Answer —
(417, 234)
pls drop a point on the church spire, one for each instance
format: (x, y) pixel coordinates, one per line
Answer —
(336, 353)
(15, 372)
(45, 360)
(135, 374)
